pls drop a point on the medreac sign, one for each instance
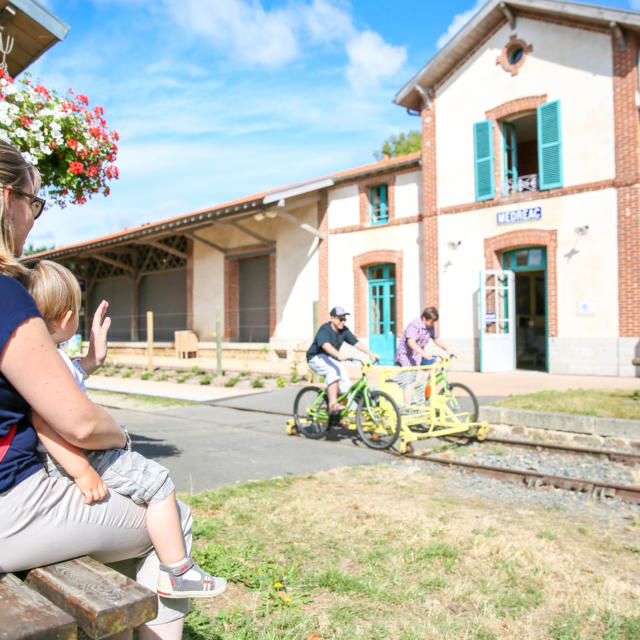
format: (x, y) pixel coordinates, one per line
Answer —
(519, 215)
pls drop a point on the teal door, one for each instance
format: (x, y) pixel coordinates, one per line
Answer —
(382, 311)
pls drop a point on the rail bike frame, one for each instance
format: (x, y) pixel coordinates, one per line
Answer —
(427, 417)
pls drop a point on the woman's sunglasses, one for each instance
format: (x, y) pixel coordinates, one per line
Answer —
(37, 203)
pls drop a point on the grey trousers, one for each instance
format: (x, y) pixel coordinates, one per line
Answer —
(44, 520)
(126, 472)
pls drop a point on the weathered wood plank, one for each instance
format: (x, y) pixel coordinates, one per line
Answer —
(102, 601)
(24, 613)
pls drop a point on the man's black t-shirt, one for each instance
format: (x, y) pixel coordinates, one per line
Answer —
(327, 334)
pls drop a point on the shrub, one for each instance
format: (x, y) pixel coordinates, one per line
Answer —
(232, 382)
(258, 383)
(281, 382)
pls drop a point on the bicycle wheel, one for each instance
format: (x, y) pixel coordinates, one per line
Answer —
(462, 400)
(311, 413)
(378, 425)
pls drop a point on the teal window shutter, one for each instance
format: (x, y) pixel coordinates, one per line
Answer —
(549, 145)
(483, 157)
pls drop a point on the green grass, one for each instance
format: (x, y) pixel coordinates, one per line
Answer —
(134, 400)
(623, 403)
(384, 552)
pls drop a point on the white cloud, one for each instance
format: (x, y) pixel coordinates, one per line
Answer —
(325, 22)
(371, 59)
(251, 34)
(459, 20)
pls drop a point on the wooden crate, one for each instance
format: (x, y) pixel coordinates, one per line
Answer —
(186, 343)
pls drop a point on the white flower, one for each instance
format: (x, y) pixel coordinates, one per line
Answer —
(45, 149)
(29, 158)
(18, 97)
(20, 133)
(4, 135)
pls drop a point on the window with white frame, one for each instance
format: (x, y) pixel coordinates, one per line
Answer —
(531, 152)
(379, 204)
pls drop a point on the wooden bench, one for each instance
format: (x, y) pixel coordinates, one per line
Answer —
(53, 601)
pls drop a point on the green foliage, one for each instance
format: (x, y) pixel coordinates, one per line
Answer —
(232, 382)
(281, 382)
(128, 373)
(400, 145)
(68, 142)
(206, 380)
(258, 383)
(545, 534)
(294, 374)
(146, 376)
(30, 249)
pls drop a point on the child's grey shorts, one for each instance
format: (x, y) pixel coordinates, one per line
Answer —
(125, 472)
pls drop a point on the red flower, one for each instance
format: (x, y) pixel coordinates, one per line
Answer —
(92, 171)
(98, 110)
(76, 167)
(82, 98)
(72, 143)
(25, 122)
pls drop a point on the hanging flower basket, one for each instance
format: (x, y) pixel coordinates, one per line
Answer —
(68, 142)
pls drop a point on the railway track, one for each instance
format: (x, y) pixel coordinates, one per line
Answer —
(535, 479)
(530, 478)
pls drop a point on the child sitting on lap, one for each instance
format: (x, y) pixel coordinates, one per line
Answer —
(56, 292)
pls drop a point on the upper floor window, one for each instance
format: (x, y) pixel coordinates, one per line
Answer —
(531, 152)
(379, 204)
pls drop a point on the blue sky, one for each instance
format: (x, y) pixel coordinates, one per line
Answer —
(218, 99)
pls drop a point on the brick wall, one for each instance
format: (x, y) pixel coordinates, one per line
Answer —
(627, 131)
(364, 187)
(430, 207)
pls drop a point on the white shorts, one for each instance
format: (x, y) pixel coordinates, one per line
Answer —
(332, 370)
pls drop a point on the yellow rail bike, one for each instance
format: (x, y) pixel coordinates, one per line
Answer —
(372, 412)
(430, 405)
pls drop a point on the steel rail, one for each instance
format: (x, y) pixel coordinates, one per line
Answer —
(612, 454)
(535, 479)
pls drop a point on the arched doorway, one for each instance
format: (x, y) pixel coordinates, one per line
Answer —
(531, 316)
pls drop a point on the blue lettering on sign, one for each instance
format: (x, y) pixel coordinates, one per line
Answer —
(519, 215)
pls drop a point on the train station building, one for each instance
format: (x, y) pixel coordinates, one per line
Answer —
(519, 219)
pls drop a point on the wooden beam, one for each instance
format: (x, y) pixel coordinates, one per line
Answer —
(302, 225)
(163, 247)
(249, 232)
(115, 263)
(193, 236)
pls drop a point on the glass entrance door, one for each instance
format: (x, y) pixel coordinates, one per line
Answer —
(382, 311)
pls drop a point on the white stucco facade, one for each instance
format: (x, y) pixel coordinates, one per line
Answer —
(571, 65)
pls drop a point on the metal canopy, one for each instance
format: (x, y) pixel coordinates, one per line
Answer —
(34, 28)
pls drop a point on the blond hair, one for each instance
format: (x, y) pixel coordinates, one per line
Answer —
(54, 289)
(16, 172)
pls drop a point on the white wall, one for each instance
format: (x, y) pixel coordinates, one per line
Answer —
(208, 286)
(590, 275)
(344, 207)
(408, 194)
(572, 65)
(296, 278)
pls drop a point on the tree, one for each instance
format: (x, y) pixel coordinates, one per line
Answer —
(30, 249)
(69, 144)
(400, 145)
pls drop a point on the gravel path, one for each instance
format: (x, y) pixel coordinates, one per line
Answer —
(474, 486)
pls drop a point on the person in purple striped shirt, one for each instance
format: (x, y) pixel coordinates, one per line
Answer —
(411, 348)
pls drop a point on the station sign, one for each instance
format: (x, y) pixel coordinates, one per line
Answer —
(519, 215)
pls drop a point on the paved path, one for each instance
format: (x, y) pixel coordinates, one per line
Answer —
(207, 446)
